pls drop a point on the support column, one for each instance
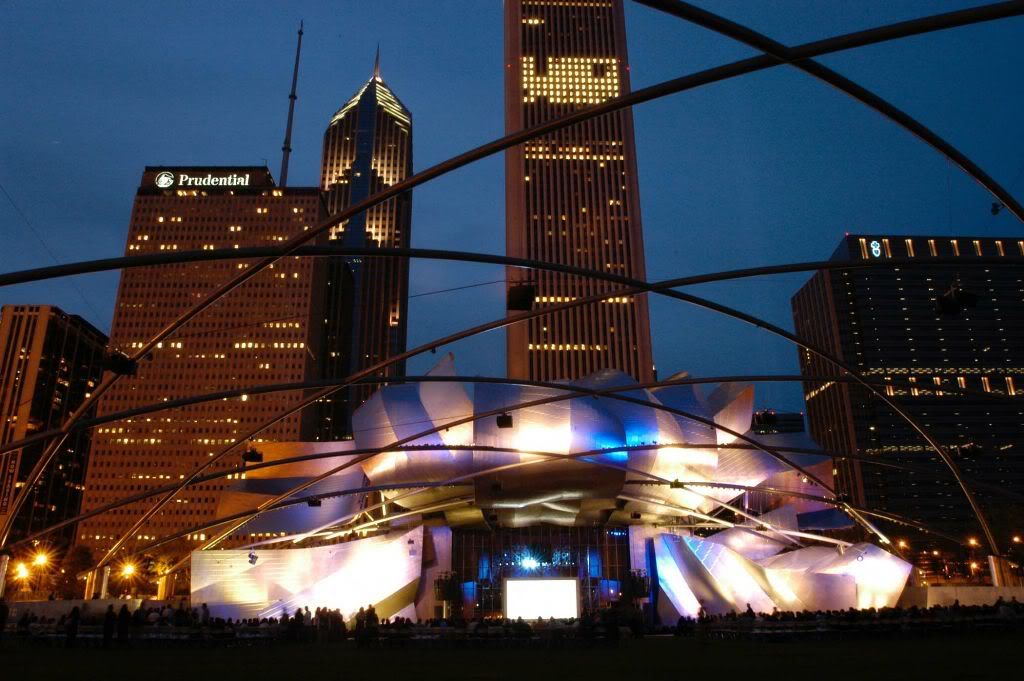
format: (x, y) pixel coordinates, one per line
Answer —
(4, 561)
(106, 581)
(162, 584)
(90, 585)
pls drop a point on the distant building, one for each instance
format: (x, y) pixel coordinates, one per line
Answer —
(888, 324)
(267, 331)
(571, 197)
(49, 362)
(367, 148)
(769, 421)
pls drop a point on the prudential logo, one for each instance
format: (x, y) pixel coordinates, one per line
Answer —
(165, 180)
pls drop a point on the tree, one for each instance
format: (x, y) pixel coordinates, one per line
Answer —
(66, 583)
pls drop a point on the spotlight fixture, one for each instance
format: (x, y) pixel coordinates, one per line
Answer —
(504, 420)
(521, 298)
(252, 456)
(314, 503)
(120, 364)
(253, 558)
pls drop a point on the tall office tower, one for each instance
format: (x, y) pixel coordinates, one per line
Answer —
(367, 148)
(885, 323)
(49, 362)
(572, 197)
(266, 331)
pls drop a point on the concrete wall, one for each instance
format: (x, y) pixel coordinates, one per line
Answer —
(928, 596)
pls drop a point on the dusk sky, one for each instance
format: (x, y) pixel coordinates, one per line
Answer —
(765, 169)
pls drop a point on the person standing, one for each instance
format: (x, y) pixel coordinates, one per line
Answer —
(124, 623)
(109, 622)
(5, 611)
(71, 628)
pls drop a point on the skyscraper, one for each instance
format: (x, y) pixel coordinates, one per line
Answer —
(367, 148)
(885, 322)
(572, 197)
(49, 362)
(267, 331)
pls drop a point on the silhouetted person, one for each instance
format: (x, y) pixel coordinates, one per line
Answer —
(71, 628)
(124, 624)
(109, 623)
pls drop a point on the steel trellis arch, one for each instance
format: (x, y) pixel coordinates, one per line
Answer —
(265, 388)
(848, 41)
(763, 43)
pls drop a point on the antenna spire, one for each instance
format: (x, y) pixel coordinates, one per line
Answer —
(376, 64)
(286, 148)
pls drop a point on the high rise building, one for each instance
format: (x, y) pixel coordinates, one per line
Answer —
(49, 363)
(367, 148)
(572, 197)
(886, 323)
(267, 331)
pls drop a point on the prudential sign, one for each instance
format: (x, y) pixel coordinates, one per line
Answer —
(167, 179)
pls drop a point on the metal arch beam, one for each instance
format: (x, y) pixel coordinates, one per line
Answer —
(809, 50)
(333, 250)
(141, 496)
(262, 389)
(763, 43)
(640, 286)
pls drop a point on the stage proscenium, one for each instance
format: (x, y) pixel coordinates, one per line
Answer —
(533, 598)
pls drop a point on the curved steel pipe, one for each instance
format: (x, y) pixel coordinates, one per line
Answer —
(848, 41)
(265, 388)
(763, 43)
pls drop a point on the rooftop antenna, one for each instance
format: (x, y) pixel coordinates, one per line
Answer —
(286, 149)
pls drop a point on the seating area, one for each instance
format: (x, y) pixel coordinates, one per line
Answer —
(867, 624)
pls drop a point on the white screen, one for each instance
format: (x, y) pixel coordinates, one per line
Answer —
(533, 598)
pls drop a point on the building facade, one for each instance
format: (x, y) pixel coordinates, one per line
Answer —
(267, 331)
(367, 148)
(572, 196)
(49, 363)
(885, 322)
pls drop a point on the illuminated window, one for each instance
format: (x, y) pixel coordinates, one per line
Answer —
(999, 248)
(956, 247)
(931, 248)
(863, 248)
(985, 384)
(977, 247)
(1010, 389)
(910, 247)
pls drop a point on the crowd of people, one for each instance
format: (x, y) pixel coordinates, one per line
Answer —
(167, 625)
(867, 622)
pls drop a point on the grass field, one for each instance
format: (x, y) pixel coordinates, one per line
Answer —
(946, 657)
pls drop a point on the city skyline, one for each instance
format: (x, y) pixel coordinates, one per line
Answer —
(760, 214)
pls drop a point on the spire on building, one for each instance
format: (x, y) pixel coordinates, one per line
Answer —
(286, 148)
(376, 64)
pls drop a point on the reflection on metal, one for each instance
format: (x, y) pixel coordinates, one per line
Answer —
(383, 571)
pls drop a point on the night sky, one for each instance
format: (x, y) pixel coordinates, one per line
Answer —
(765, 169)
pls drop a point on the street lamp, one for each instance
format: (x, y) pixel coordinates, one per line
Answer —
(127, 570)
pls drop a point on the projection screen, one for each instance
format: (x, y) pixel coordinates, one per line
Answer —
(533, 598)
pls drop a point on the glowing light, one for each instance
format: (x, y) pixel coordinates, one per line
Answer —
(972, 541)
(128, 570)
(1016, 539)
(903, 543)
(533, 598)
(21, 571)
(530, 563)
(41, 559)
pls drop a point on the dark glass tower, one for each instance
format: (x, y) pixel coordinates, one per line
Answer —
(49, 362)
(884, 321)
(572, 197)
(367, 148)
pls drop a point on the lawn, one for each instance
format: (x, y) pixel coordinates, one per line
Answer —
(945, 657)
